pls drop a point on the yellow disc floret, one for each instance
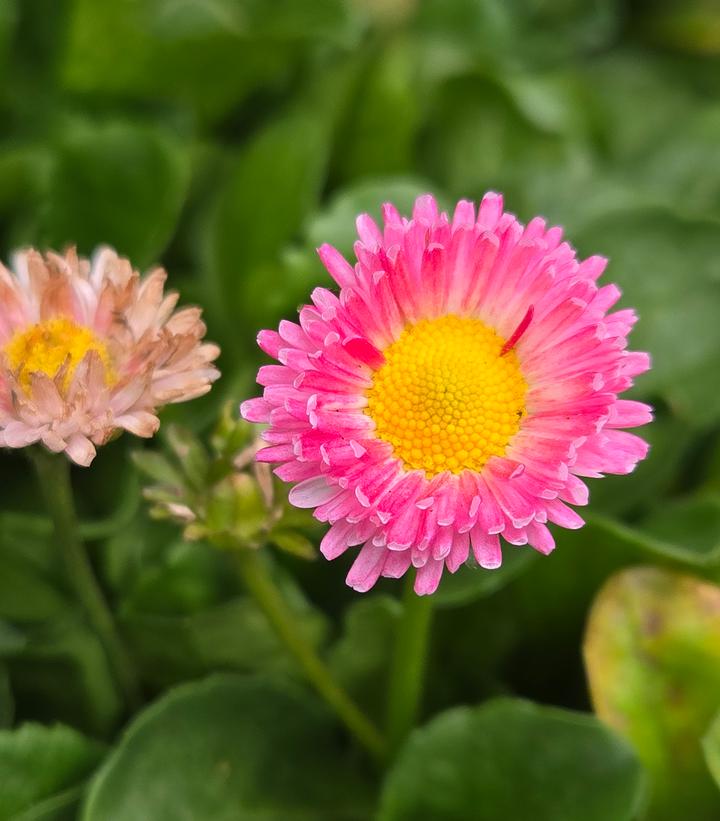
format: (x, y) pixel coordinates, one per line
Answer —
(47, 346)
(445, 398)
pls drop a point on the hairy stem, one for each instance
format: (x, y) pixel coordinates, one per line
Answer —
(53, 471)
(261, 586)
(408, 669)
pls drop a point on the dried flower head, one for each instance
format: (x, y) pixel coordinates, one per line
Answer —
(88, 348)
(454, 392)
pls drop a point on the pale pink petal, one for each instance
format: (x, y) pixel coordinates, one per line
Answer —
(80, 449)
(137, 353)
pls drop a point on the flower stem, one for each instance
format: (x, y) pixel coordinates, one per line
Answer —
(53, 471)
(408, 668)
(269, 599)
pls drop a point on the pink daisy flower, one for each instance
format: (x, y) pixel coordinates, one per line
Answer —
(88, 348)
(452, 394)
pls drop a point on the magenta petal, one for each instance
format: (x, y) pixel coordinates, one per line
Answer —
(525, 284)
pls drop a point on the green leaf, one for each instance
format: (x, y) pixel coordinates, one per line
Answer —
(11, 638)
(584, 559)
(652, 653)
(27, 538)
(522, 32)
(24, 169)
(291, 150)
(27, 594)
(692, 524)
(513, 760)
(697, 548)
(294, 543)
(479, 140)
(635, 157)
(30, 595)
(537, 619)
(135, 550)
(682, 170)
(335, 224)
(653, 256)
(180, 578)
(190, 454)
(711, 748)
(63, 671)
(186, 616)
(116, 182)
(552, 30)
(235, 512)
(8, 18)
(202, 54)
(271, 185)
(329, 20)
(615, 81)
(470, 583)
(234, 635)
(361, 657)
(157, 466)
(7, 701)
(688, 25)
(466, 31)
(38, 763)
(225, 748)
(389, 101)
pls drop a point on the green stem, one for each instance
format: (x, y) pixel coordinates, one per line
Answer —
(261, 586)
(408, 668)
(53, 471)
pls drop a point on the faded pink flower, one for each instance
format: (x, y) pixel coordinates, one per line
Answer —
(455, 391)
(88, 348)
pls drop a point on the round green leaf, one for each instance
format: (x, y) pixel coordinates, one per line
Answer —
(38, 763)
(652, 652)
(513, 760)
(225, 748)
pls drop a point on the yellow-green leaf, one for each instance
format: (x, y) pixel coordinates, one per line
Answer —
(652, 652)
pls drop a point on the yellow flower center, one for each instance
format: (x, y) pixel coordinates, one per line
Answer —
(47, 346)
(445, 398)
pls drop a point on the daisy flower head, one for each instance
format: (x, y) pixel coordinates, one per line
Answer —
(453, 394)
(89, 348)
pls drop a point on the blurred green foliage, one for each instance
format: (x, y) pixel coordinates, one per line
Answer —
(226, 139)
